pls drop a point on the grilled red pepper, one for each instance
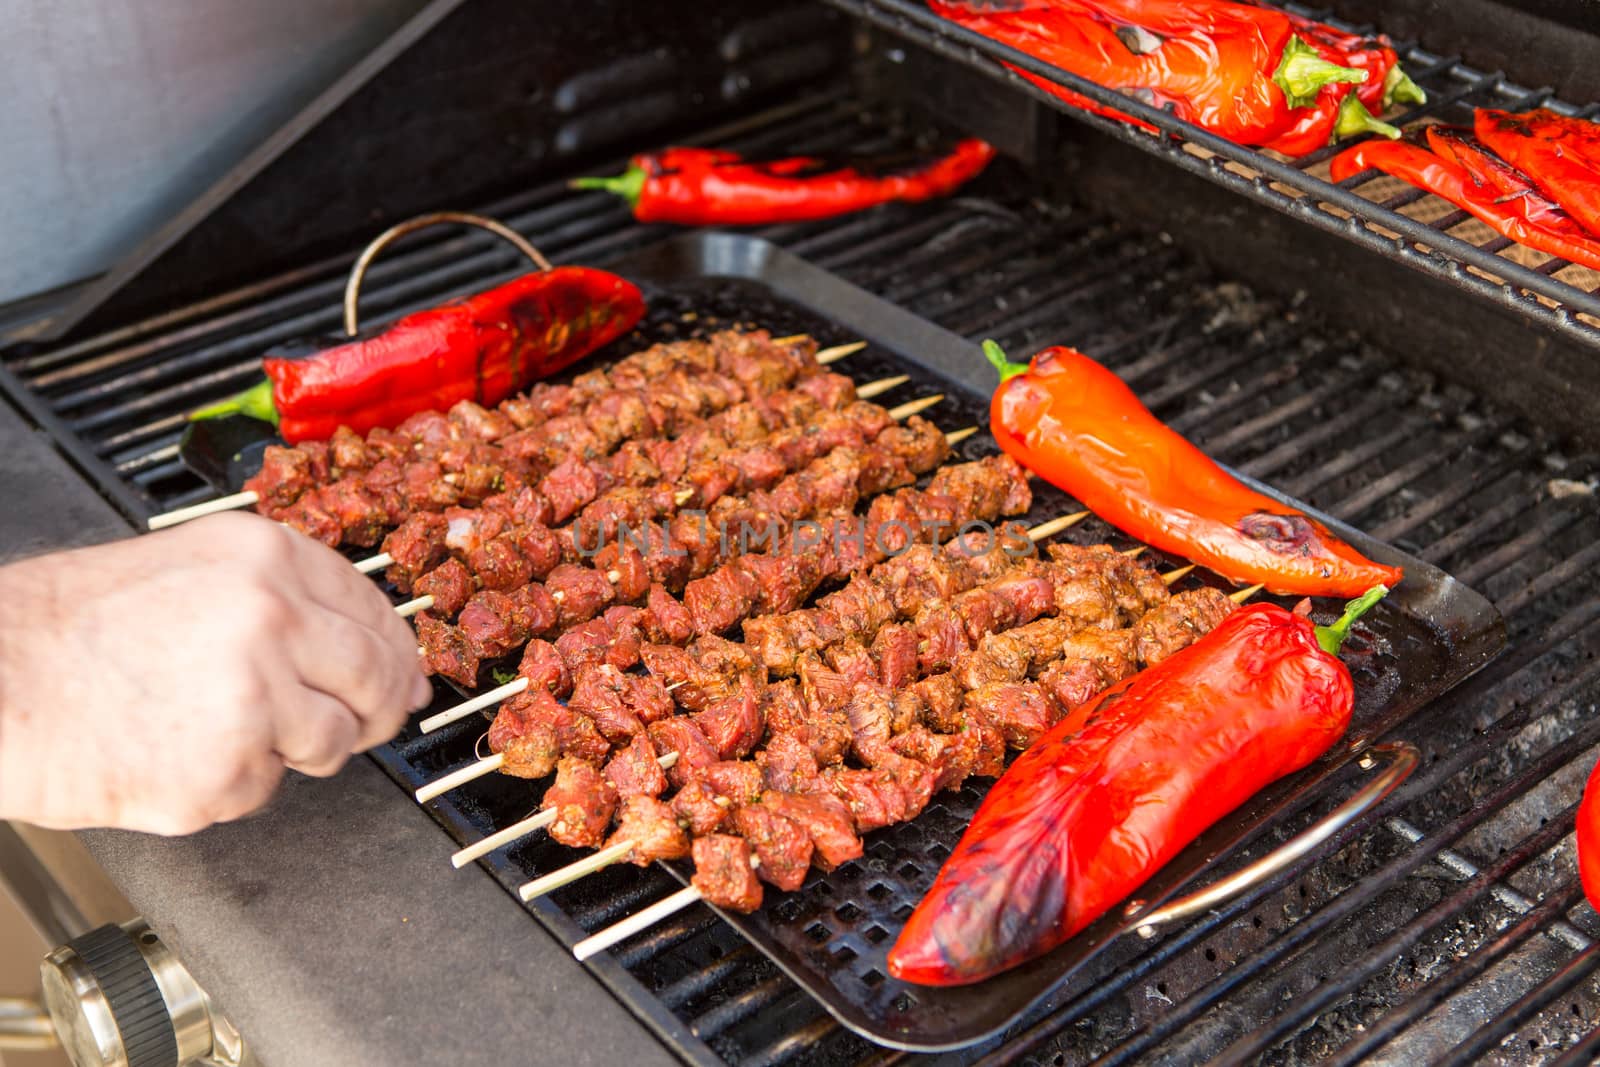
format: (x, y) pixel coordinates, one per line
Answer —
(1341, 111)
(1477, 182)
(1121, 785)
(482, 348)
(1560, 154)
(1075, 424)
(710, 187)
(1589, 838)
(1238, 71)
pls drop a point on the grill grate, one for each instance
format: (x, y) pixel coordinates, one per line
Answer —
(1265, 387)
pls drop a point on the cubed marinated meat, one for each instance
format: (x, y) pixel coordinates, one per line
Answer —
(468, 528)
(587, 645)
(666, 621)
(480, 422)
(635, 770)
(417, 546)
(722, 598)
(1178, 623)
(539, 546)
(579, 592)
(950, 756)
(626, 567)
(787, 764)
(492, 625)
(533, 730)
(723, 873)
(535, 608)
(447, 652)
(544, 668)
(728, 659)
(918, 443)
(681, 736)
(1022, 710)
(285, 476)
(826, 821)
(647, 698)
(759, 467)
(783, 847)
(597, 693)
(651, 828)
(361, 515)
(631, 465)
(695, 687)
(822, 688)
(921, 575)
(738, 780)
(700, 809)
(423, 488)
(627, 635)
(1087, 598)
(733, 724)
(383, 480)
(825, 732)
(522, 506)
(431, 429)
(941, 638)
(1002, 657)
(499, 565)
(347, 451)
(872, 797)
(833, 391)
(450, 584)
(583, 803)
(940, 696)
(871, 715)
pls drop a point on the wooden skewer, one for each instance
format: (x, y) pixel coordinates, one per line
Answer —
(838, 352)
(573, 871)
(1245, 594)
(634, 924)
(374, 563)
(1135, 553)
(957, 436)
(411, 607)
(881, 386)
(1055, 526)
(209, 507)
(1172, 576)
(440, 786)
(912, 407)
(793, 338)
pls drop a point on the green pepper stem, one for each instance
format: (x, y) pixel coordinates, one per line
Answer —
(997, 356)
(629, 184)
(1398, 88)
(1331, 638)
(255, 402)
(1302, 72)
(1355, 119)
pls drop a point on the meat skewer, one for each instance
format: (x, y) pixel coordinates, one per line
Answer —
(716, 882)
(253, 496)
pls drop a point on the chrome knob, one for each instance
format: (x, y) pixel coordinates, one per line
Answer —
(119, 998)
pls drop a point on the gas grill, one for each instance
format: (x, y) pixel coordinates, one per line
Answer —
(1362, 349)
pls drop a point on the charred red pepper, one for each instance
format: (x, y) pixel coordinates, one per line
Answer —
(1589, 838)
(1238, 71)
(1075, 424)
(1559, 153)
(482, 348)
(1464, 173)
(710, 187)
(1120, 786)
(1341, 111)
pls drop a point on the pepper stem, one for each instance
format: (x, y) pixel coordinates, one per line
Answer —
(997, 356)
(255, 402)
(629, 184)
(1355, 119)
(1331, 638)
(1302, 72)
(1399, 88)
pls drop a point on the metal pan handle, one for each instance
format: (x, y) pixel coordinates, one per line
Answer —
(1402, 759)
(352, 288)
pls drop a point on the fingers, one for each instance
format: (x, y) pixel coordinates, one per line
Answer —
(316, 734)
(352, 665)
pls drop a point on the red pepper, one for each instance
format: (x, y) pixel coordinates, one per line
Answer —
(1343, 112)
(1560, 154)
(1115, 790)
(1075, 424)
(1235, 70)
(482, 348)
(708, 187)
(1477, 183)
(1589, 838)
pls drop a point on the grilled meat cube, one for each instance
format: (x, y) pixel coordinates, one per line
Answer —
(544, 668)
(941, 638)
(728, 659)
(940, 697)
(651, 828)
(881, 472)
(348, 452)
(598, 694)
(468, 528)
(832, 391)
(1089, 662)
(478, 481)
(580, 593)
(448, 653)
(587, 645)
(631, 464)
(758, 467)
(450, 584)
(285, 476)
(623, 508)
(683, 737)
(921, 575)
(862, 606)
(492, 624)
(787, 764)
(995, 485)
(822, 688)
(700, 809)
(918, 443)
(915, 780)
(780, 643)
(522, 507)
(383, 480)
(480, 422)
(709, 480)
(723, 873)
(635, 770)
(431, 429)
(583, 803)
(533, 731)
(785, 580)
(721, 598)
(738, 780)
(499, 565)
(981, 611)
(423, 488)
(872, 797)
(417, 546)
(733, 724)
(951, 757)
(696, 686)
(627, 625)
(1179, 623)
(826, 732)
(665, 620)
(783, 848)
(825, 820)
(523, 411)
(626, 567)
(1002, 657)
(853, 662)
(1022, 710)
(539, 546)
(361, 516)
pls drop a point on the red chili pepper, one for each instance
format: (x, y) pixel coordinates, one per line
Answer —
(1343, 112)
(1075, 424)
(1560, 154)
(1477, 183)
(482, 348)
(1238, 71)
(1115, 790)
(1589, 838)
(708, 187)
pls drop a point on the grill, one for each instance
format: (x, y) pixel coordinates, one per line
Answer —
(1451, 928)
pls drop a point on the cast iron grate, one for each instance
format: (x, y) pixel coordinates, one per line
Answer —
(1392, 935)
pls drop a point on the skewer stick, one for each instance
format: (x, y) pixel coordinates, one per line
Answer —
(1245, 594)
(838, 352)
(1172, 576)
(912, 407)
(573, 871)
(374, 563)
(477, 703)
(440, 786)
(209, 507)
(881, 386)
(1055, 526)
(634, 924)
(955, 437)
(411, 607)
(792, 339)
(1135, 553)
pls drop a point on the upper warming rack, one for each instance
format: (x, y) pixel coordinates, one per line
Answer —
(1392, 219)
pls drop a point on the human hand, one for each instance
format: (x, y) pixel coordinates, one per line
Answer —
(164, 683)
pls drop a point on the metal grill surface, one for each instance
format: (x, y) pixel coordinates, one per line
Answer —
(1453, 930)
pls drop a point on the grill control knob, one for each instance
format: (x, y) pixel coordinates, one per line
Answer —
(120, 998)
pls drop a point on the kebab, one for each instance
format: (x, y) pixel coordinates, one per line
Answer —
(509, 541)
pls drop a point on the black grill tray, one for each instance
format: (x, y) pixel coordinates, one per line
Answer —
(833, 935)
